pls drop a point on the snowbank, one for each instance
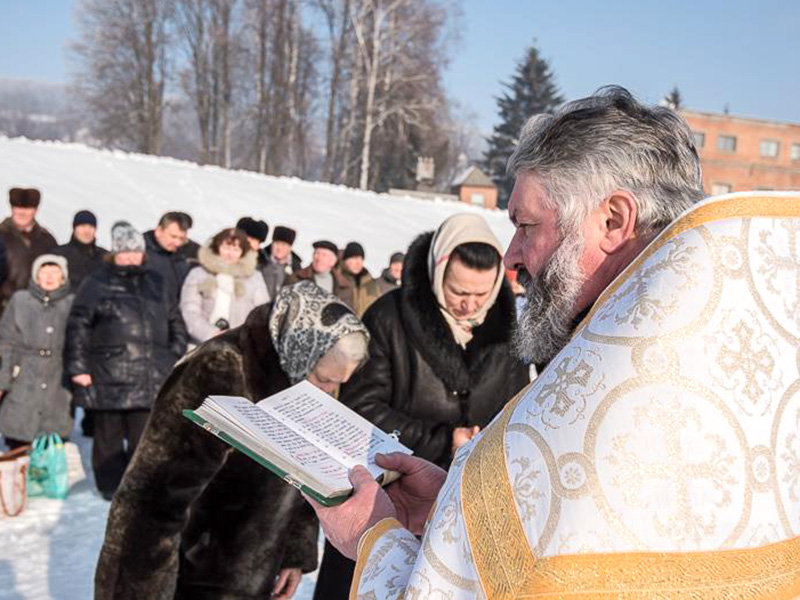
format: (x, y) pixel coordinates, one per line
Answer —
(138, 188)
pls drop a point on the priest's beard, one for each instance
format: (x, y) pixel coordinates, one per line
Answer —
(547, 321)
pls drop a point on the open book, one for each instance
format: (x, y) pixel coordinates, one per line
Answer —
(302, 435)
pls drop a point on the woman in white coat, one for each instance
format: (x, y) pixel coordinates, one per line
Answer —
(221, 292)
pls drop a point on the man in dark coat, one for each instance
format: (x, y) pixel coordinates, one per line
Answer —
(256, 232)
(24, 240)
(360, 290)
(189, 249)
(420, 382)
(281, 261)
(324, 273)
(3, 263)
(164, 253)
(392, 276)
(83, 256)
(123, 336)
(82, 252)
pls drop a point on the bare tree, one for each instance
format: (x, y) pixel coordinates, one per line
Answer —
(282, 53)
(123, 68)
(337, 18)
(205, 32)
(249, 71)
(399, 48)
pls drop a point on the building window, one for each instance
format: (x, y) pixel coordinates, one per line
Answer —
(699, 139)
(726, 143)
(769, 148)
(720, 188)
(477, 199)
(795, 151)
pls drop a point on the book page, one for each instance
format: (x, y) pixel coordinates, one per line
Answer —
(332, 426)
(282, 440)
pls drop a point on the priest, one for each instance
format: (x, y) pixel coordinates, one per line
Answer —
(657, 454)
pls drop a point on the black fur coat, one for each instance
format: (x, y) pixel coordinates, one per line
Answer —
(194, 519)
(418, 379)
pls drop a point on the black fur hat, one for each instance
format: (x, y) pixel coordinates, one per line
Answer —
(284, 234)
(254, 229)
(24, 197)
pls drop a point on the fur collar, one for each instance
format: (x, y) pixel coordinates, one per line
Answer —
(261, 361)
(429, 333)
(214, 263)
(7, 226)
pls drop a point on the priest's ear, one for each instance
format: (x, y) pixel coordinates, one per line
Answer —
(619, 212)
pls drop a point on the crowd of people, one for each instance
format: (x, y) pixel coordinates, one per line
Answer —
(136, 333)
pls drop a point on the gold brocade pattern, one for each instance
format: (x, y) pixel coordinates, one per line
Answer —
(508, 569)
(365, 548)
(732, 208)
(768, 572)
(500, 550)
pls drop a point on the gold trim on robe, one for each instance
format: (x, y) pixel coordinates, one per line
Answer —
(365, 546)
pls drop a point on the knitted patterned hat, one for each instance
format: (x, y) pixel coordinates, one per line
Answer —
(125, 238)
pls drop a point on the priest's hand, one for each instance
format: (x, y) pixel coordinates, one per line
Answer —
(415, 492)
(346, 523)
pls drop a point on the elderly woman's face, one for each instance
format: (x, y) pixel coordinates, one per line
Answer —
(330, 373)
(50, 278)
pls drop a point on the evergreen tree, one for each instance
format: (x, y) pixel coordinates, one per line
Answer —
(531, 91)
(674, 100)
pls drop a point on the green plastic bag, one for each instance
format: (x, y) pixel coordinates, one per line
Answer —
(47, 473)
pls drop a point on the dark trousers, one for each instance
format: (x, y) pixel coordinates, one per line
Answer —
(14, 444)
(87, 423)
(335, 575)
(116, 435)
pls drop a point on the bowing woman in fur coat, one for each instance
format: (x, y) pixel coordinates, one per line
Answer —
(441, 363)
(195, 519)
(221, 292)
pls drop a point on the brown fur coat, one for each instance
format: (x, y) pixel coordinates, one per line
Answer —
(194, 518)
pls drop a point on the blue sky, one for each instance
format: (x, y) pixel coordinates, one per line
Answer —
(744, 54)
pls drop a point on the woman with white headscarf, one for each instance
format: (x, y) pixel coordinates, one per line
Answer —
(442, 363)
(195, 519)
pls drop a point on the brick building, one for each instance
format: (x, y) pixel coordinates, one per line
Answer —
(746, 154)
(474, 187)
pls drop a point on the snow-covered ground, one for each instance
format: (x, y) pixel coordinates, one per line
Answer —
(50, 551)
(139, 188)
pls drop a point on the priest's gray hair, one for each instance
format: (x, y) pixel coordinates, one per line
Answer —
(606, 142)
(351, 348)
